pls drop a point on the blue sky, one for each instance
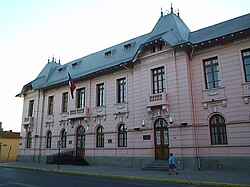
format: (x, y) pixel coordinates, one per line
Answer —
(33, 30)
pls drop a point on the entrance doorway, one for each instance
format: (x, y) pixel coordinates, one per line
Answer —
(80, 141)
(161, 139)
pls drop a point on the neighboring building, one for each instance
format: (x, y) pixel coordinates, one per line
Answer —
(171, 90)
(9, 144)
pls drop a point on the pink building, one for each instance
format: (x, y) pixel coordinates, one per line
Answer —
(171, 90)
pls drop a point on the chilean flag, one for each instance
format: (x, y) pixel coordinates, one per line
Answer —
(72, 86)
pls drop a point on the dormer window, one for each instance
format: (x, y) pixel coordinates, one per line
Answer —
(60, 69)
(74, 64)
(127, 47)
(108, 54)
(156, 48)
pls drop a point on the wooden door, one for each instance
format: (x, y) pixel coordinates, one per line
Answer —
(161, 139)
(80, 141)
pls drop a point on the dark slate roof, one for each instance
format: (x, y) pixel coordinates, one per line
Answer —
(102, 60)
(170, 28)
(221, 29)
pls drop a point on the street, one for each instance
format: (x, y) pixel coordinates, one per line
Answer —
(26, 178)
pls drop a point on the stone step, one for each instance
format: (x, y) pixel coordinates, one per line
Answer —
(158, 165)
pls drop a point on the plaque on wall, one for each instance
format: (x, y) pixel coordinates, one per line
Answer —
(109, 140)
(146, 137)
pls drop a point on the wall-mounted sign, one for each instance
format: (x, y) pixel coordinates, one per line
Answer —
(146, 137)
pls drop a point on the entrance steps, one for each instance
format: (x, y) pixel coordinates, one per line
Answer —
(158, 165)
(67, 157)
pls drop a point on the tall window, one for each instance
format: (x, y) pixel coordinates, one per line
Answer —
(65, 100)
(80, 137)
(218, 130)
(63, 138)
(50, 105)
(158, 80)
(122, 136)
(48, 139)
(246, 63)
(28, 140)
(80, 94)
(100, 137)
(31, 107)
(100, 94)
(121, 90)
(212, 73)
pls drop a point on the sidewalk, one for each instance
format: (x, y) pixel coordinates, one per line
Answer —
(213, 178)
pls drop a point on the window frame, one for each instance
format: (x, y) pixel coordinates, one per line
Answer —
(215, 72)
(28, 140)
(80, 137)
(81, 97)
(100, 94)
(218, 131)
(65, 102)
(99, 137)
(31, 108)
(122, 135)
(158, 80)
(247, 76)
(121, 90)
(48, 139)
(50, 105)
(64, 138)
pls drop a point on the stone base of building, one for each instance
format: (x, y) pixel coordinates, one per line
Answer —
(114, 161)
(184, 163)
(31, 158)
(214, 163)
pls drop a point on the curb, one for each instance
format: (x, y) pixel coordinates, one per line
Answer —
(190, 182)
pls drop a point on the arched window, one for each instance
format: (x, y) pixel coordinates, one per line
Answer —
(28, 140)
(100, 137)
(64, 138)
(80, 137)
(218, 130)
(122, 136)
(48, 139)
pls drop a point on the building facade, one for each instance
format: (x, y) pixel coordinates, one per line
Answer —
(171, 90)
(9, 144)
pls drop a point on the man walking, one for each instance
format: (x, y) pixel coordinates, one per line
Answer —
(172, 166)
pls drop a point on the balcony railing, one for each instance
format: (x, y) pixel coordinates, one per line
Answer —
(157, 99)
(78, 113)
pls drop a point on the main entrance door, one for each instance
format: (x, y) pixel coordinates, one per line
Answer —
(161, 139)
(80, 141)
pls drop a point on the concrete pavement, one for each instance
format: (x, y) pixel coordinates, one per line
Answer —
(213, 178)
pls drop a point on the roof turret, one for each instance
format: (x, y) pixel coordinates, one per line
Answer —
(170, 28)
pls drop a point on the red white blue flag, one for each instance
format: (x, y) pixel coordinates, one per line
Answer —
(72, 85)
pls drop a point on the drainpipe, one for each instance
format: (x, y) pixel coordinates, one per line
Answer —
(193, 112)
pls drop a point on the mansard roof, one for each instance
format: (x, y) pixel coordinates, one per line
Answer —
(170, 28)
(221, 29)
